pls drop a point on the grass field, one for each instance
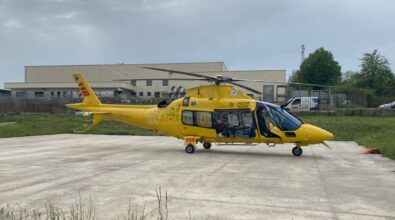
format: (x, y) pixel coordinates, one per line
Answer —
(28, 125)
(367, 131)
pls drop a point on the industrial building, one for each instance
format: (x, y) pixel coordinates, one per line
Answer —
(129, 81)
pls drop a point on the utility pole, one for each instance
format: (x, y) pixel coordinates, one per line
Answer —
(302, 54)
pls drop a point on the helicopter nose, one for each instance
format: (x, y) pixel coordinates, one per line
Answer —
(316, 134)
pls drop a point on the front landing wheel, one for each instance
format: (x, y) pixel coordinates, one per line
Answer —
(207, 146)
(297, 151)
(190, 149)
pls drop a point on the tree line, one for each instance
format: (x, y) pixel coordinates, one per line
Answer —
(375, 77)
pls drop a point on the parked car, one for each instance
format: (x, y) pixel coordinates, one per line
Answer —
(302, 104)
(388, 106)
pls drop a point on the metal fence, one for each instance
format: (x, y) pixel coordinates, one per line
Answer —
(9, 105)
(330, 101)
(18, 107)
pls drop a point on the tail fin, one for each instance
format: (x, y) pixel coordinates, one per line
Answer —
(89, 96)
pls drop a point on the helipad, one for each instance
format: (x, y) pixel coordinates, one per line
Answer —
(227, 182)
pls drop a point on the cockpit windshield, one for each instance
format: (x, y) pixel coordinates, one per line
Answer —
(281, 118)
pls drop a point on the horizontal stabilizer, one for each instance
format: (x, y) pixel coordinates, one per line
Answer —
(97, 118)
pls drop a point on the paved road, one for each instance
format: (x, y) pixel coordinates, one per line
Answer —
(227, 182)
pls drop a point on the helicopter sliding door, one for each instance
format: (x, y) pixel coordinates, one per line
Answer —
(234, 123)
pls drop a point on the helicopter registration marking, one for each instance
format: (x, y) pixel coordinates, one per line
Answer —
(190, 140)
(83, 90)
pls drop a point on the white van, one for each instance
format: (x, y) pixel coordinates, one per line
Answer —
(388, 106)
(298, 104)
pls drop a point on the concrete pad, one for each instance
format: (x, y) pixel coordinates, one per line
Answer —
(226, 182)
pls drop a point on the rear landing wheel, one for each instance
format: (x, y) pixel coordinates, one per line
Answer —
(190, 149)
(207, 146)
(297, 151)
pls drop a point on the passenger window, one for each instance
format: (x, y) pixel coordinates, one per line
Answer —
(203, 119)
(233, 120)
(234, 123)
(247, 119)
(187, 117)
(296, 102)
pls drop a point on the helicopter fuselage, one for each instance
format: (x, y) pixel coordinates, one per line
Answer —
(212, 114)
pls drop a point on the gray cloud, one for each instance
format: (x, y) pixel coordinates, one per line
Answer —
(251, 34)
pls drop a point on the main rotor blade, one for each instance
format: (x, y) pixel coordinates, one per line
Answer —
(309, 84)
(210, 78)
(245, 87)
(268, 81)
(186, 79)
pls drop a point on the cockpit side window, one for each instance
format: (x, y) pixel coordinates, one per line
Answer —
(264, 122)
(283, 119)
(278, 116)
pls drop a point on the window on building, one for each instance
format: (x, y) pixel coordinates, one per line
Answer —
(107, 93)
(74, 94)
(132, 93)
(118, 92)
(52, 94)
(149, 82)
(64, 94)
(148, 93)
(58, 94)
(165, 82)
(20, 94)
(187, 117)
(157, 94)
(39, 94)
(141, 94)
(133, 82)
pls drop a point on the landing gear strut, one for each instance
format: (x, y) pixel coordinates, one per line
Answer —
(207, 146)
(190, 149)
(297, 151)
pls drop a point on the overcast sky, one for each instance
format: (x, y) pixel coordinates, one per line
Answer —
(245, 34)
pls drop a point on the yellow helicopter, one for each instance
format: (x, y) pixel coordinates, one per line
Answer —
(214, 113)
